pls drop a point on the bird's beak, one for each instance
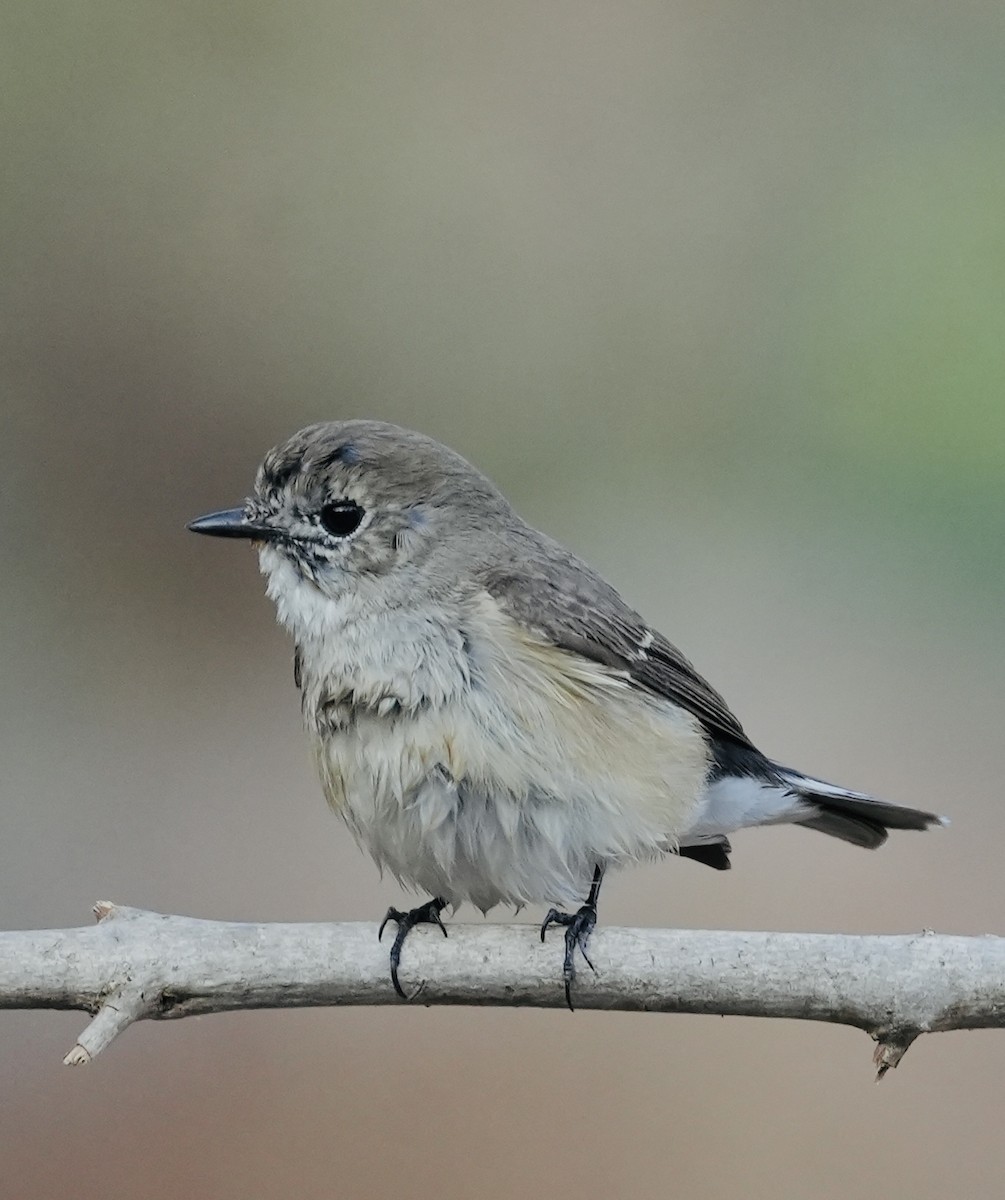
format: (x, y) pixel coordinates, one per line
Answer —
(234, 523)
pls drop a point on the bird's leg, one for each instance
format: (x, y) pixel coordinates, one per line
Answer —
(578, 927)
(425, 914)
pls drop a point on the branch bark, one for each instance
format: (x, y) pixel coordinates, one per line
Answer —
(134, 965)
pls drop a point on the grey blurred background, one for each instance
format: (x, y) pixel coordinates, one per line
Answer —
(715, 293)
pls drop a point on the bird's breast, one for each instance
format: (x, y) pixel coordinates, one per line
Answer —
(503, 773)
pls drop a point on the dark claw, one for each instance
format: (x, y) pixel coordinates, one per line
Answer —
(392, 914)
(425, 914)
(578, 927)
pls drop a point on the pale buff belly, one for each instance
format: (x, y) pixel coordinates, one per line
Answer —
(488, 807)
(494, 767)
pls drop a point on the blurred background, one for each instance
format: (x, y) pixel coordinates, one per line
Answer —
(715, 293)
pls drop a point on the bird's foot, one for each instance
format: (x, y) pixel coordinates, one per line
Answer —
(425, 914)
(578, 927)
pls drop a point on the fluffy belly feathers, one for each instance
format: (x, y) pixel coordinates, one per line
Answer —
(538, 766)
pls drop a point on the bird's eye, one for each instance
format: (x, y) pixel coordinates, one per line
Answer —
(341, 517)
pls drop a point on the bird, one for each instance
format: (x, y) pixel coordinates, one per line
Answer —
(492, 720)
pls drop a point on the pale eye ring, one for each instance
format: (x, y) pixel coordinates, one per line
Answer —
(341, 518)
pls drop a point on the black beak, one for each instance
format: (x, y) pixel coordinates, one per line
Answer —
(233, 523)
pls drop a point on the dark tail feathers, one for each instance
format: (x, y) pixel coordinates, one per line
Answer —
(853, 816)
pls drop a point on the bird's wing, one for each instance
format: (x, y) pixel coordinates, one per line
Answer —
(561, 599)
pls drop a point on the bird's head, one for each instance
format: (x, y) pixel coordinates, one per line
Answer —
(350, 506)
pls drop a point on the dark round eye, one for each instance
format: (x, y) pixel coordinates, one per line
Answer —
(341, 517)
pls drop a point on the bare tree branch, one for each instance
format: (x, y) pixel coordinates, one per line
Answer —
(134, 965)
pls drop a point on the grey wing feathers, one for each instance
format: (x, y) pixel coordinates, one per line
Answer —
(574, 608)
(550, 591)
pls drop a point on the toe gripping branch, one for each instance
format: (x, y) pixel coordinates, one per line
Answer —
(425, 914)
(578, 927)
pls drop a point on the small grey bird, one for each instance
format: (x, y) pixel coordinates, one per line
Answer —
(492, 720)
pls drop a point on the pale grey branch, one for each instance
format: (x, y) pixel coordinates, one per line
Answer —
(134, 965)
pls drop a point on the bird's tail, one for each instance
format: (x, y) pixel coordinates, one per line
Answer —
(853, 816)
